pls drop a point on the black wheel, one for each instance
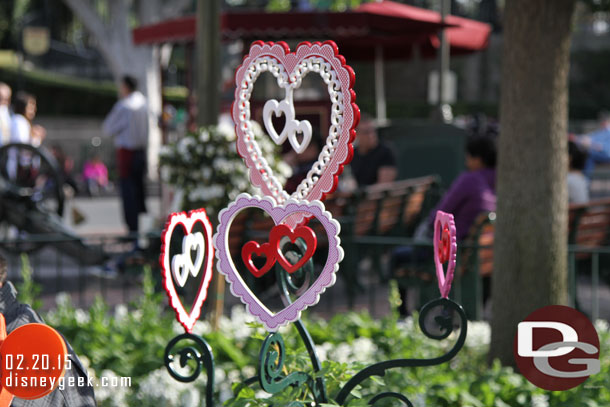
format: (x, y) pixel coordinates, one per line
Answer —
(30, 182)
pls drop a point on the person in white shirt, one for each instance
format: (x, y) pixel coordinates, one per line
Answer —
(5, 114)
(578, 185)
(22, 128)
(127, 122)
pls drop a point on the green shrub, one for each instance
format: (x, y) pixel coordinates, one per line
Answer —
(131, 342)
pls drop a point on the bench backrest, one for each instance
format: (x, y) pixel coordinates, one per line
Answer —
(481, 236)
(589, 223)
(393, 208)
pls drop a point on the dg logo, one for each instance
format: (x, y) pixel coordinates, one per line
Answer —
(557, 348)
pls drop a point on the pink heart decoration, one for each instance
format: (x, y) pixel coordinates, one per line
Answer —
(278, 213)
(187, 222)
(445, 249)
(289, 68)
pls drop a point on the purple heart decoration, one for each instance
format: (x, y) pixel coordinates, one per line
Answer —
(445, 250)
(278, 213)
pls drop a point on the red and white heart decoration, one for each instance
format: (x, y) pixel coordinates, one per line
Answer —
(289, 68)
(445, 250)
(182, 265)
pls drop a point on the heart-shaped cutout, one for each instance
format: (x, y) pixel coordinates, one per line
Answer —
(445, 250)
(273, 107)
(289, 68)
(266, 249)
(182, 264)
(302, 232)
(300, 127)
(278, 214)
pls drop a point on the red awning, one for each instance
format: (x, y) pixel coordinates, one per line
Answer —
(398, 28)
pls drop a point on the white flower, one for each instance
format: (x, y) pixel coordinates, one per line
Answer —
(121, 312)
(62, 299)
(540, 400)
(323, 351)
(364, 349)
(201, 328)
(159, 388)
(81, 316)
(602, 325)
(419, 401)
(111, 395)
(204, 136)
(479, 334)
(341, 353)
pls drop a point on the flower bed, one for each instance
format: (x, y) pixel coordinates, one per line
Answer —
(131, 342)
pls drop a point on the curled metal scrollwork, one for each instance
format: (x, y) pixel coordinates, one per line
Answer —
(391, 394)
(199, 352)
(271, 375)
(441, 312)
(298, 282)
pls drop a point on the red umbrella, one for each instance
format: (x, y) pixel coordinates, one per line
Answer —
(396, 27)
(374, 31)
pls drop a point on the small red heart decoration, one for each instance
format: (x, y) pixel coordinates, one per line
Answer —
(444, 249)
(265, 249)
(302, 232)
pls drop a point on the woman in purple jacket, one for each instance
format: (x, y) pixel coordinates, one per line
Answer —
(473, 192)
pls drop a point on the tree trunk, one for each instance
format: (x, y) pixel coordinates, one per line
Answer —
(530, 252)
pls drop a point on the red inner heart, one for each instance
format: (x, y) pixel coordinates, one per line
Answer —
(264, 250)
(444, 249)
(303, 232)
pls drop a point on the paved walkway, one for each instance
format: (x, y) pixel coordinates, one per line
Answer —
(104, 215)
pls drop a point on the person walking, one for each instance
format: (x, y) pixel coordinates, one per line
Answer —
(127, 122)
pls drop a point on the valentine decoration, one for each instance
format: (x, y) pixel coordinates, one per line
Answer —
(181, 266)
(289, 68)
(291, 245)
(273, 252)
(445, 249)
(278, 213)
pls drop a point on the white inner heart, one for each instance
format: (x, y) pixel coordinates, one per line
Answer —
(272, 65)
(292, 126)
(182, 263)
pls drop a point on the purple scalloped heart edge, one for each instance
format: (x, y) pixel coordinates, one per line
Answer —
(238, 288)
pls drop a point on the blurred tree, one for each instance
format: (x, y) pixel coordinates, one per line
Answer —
(530, 251)
(15, 14)
(110, 23)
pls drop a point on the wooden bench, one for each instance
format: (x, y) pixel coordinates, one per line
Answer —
(588, 228)
(473, 269)
(475, 265)
(380, 211)
(589, 225)
(392, 209)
